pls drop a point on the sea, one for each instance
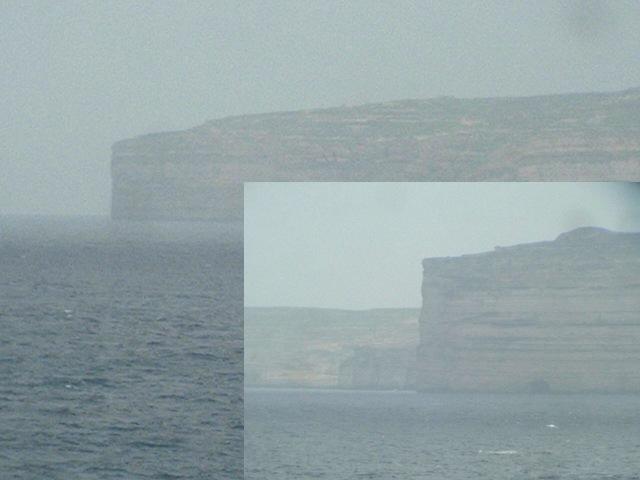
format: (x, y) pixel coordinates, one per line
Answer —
(121, 350)
(356, 435)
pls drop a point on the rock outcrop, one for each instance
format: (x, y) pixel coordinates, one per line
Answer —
(198, 173)
(559, 316)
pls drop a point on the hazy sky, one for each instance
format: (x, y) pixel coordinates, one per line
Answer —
(360, 245)
(79, 75)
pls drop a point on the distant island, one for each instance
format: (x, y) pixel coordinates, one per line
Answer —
(559, 316)
(197, 174)
(330, 348)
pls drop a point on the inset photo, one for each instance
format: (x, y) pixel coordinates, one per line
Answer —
(441, 330)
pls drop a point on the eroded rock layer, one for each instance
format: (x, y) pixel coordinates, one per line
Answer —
(197, 173)
(559, 316)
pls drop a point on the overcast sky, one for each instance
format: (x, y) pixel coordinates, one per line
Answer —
(360, 245)
(80, 75)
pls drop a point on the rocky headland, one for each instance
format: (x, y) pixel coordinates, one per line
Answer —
(197, 174)
(554, 316)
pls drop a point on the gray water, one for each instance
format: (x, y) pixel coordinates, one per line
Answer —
(120, 350)
(311, 434)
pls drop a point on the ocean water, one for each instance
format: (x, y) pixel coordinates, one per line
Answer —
(120, 350)
(307, 434)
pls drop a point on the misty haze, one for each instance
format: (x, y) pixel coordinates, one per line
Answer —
(81, 76)
(128, 130)
(515, 360)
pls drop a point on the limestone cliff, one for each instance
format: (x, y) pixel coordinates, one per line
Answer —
(197, 173)
(560, 316)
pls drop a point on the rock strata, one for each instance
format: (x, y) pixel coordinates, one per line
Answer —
(556, 316)
(197, 174)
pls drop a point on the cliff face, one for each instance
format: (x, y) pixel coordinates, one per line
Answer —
(197, 174)
(551, 316)
(316, 347)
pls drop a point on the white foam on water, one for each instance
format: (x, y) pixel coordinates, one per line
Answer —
(499, 452)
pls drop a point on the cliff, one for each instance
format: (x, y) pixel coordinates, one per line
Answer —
(197, 173)
(559, 316)
(327, 348)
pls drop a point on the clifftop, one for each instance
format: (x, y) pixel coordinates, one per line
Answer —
(597, 252)
(590, 234)
(409, 118)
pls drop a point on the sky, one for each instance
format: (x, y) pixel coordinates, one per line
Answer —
(76, 76)
(360, 245)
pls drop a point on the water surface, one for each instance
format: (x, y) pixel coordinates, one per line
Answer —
(304, 434)
(120, 350)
